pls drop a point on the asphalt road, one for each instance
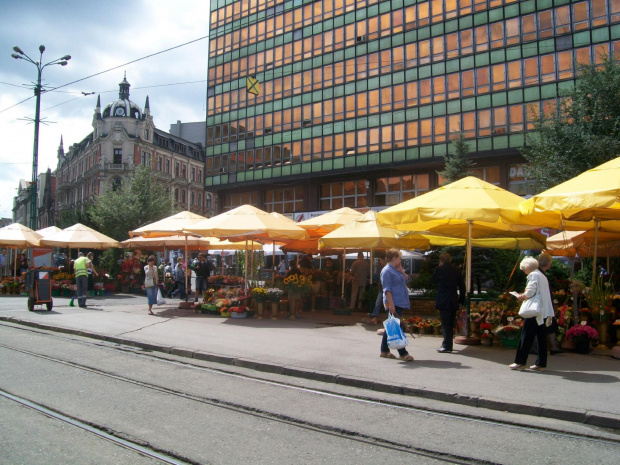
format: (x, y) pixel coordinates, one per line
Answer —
(203, 413)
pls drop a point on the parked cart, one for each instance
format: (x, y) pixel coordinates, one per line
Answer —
(39, 287)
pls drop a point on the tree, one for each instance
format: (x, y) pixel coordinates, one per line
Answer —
(457, 165)
(140, 201)
(583, 133)
(70, 217)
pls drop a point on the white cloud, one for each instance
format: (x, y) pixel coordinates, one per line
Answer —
(98, 36)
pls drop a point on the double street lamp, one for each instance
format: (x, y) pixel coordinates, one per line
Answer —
(20, 55)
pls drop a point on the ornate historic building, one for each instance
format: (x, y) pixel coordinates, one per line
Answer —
(124, 137)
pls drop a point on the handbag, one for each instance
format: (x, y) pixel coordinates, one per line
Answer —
(160, 298)
(396, 338)
(148, 282)
(530, 308)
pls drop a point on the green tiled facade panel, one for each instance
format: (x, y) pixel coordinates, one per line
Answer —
(485, 76)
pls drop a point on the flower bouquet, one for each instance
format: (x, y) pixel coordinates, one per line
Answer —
(238, 312)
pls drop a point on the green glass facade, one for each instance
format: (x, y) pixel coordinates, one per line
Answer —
(359, 99)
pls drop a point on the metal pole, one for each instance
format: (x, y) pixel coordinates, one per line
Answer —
(35, 153)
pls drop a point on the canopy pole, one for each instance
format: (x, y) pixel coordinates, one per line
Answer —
(596, 222)
(187, 271)
(15, 266)
(246, 262)
(273, 261)
(344, 258)
(468, 271)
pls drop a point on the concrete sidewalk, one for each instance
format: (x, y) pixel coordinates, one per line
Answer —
(339, 349)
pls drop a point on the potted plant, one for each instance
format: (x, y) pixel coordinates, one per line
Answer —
(509, 335)
(238, 312)
(582, 335)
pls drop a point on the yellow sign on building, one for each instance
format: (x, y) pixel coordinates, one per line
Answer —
(253, 86)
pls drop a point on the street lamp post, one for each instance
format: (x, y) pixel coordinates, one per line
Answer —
(20, 55)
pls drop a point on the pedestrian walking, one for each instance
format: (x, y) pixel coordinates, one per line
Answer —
(395, 297)
(537, 289)
(151, 279)
(449, 280)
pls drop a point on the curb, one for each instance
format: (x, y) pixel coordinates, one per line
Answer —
(574, 415)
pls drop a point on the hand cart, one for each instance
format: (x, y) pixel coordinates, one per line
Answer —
(39, 287)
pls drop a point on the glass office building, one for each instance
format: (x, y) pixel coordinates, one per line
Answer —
(359, 99)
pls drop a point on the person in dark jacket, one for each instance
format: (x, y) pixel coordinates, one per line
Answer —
(203, 270)
(449, 280)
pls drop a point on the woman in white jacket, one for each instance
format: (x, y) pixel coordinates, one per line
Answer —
(537, 287)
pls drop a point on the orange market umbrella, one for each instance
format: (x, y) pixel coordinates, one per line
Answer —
(571, 243)
(323, 224)
(18, 236)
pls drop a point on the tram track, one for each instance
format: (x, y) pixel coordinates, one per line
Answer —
(271, 416)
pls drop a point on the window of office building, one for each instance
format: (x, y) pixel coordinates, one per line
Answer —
(396, 189)
(343, 194)
(232, 201)
(286, 200)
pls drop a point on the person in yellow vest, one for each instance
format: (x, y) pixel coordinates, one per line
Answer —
(81, 266)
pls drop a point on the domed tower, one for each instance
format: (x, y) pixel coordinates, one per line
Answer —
(123, 107)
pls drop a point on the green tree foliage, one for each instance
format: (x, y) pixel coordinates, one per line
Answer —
(457, 165)
(584, 132)
(70, 217)
(140, 201)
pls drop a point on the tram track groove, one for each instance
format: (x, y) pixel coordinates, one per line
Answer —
(145, 352)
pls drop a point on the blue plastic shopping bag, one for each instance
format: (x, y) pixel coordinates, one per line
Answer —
(396, 338)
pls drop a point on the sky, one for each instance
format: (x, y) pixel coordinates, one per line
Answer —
(98, 36)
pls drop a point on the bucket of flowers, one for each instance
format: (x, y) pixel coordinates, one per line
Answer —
(582, 335)
(274, 295)
(509, 335)
(238, 312)
(486, 336)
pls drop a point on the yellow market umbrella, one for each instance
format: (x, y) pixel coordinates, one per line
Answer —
(175, 224)
(79, 236)
(590, 198)
(466, 208)
(323, 224)
(594, 194)
(48, 231)
(170, 225)
(18, 236)
(250, 223)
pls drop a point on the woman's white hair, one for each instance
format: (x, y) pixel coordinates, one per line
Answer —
(528, 264)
